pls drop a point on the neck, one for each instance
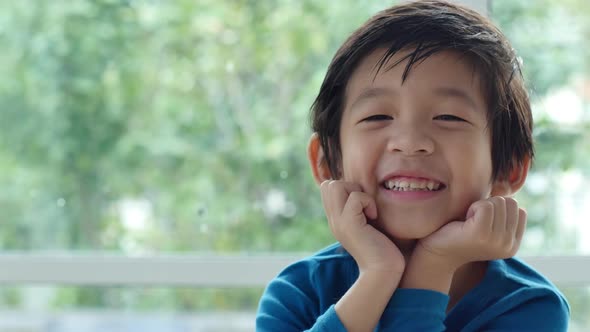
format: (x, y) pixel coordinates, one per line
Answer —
(405, 246)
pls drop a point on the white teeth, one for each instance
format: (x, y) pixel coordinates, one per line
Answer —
(405, 185)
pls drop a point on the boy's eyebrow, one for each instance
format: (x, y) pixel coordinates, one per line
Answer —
(456, 93)
(440, 91)
(372, 93)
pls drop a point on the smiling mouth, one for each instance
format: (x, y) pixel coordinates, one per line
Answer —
(406, 184)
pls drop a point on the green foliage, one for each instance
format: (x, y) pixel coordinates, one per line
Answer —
(550, 37)
(148, 299)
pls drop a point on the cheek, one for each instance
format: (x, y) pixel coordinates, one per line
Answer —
(471, 191)
(359, 159)
(472, 166)
(473, 154)
(352, 165)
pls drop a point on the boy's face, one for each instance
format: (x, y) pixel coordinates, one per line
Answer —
(428, 134)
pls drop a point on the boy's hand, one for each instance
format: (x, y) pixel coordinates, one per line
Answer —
(349, 211)
(381, 264)
(493, 229)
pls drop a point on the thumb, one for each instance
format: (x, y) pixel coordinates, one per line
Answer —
(360, 204)
(473, 208)
(369, 207)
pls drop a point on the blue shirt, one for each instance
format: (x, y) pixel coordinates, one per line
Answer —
(511, 297)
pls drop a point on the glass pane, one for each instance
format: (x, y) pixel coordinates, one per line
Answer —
(84, 309)
(160, 126)
(552, 39)
(579, 300)
(142, 126)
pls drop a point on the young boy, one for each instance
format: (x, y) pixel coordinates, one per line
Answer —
(422, 132)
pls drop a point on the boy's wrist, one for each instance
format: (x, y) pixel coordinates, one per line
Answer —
(384, 270)
(383, 277)
(363, 304)
(444, 263)
(426, 270)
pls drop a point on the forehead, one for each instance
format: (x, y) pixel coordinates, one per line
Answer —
(443, 70)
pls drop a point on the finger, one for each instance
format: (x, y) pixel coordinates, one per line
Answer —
(341, 191)
(522, 217)
(511, 215)
(499, 223)
(333, 199)
(327, 199)
(334, 196)
(327, 203)
(335, 193)
(361, 204)
(521, 226)
(350, 187)
(481, 217)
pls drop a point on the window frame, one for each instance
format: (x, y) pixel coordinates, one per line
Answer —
(193, 270)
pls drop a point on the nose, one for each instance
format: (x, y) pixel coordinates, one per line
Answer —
(410, 141)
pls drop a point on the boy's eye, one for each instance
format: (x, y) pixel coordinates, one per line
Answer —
(448, 117)
(378, 117)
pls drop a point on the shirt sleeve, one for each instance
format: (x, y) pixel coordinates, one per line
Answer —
(547, 311)
(415, 310)
(290, 303)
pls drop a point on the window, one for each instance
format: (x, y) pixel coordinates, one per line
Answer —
(146, 127)
(552, 39)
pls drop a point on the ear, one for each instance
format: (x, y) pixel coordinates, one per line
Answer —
(315, 154)
(509, 186)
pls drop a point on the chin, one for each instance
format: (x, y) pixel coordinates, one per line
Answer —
(406, 235)
(409, 229)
